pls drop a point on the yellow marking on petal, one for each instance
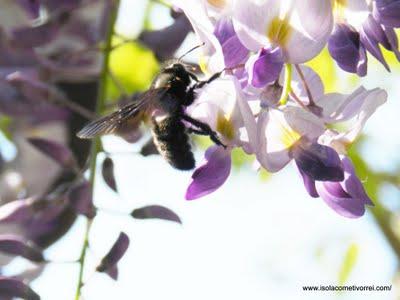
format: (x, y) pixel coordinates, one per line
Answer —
(217, 3)
(279, 31)
(339, 8)
(288, 135)
(342, 3)
(203, 64)
(225, 126)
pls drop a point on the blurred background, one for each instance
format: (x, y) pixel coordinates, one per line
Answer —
(258, 237)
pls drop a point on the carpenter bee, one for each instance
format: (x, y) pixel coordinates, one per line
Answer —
(170, 93)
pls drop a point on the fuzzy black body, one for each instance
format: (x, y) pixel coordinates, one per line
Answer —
(169, 132)
(172, 141)
(171, 92)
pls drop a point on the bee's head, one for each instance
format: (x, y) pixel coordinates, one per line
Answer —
(174, 76)
(177, 72)
(175, 68)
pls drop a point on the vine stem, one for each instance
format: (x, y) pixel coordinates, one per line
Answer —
(96, 145)
(287, 85)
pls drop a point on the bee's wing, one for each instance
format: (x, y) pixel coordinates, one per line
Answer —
(111, 123)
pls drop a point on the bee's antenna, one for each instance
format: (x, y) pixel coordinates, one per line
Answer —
(194, 48)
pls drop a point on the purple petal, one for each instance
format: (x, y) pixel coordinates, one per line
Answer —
(374, 29)
(63, 5)
(31, 85)
(36, 96)
(17, 211)
(11, 57)
(352, 184)
(80, 197)
(393, 40)
(233, 50)
(348, 198)
(387, 12)
(345, 48)
(13, 102)
(212, 174)
(107, 171)
(166, 41)
(156, 212)
(50, 225)
(14, 245)
(224, 30)
(319, 162)
(309, 184)
(113, 272)
(116, 252)
(266, 67)
(15, 288)
(341, 202)
(32, 7)
(31, 37)
(54, 150)
(362, 65)
(371, 34)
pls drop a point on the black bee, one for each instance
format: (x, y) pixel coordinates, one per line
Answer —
(171, 91)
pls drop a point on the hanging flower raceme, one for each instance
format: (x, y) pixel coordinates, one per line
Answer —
(347, 195)
(279, 115)
(362, 27)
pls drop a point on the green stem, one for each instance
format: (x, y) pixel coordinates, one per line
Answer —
(96, 145)
(287, 85)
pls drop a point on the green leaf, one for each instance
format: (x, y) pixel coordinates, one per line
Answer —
(349, 261)
(133, 66)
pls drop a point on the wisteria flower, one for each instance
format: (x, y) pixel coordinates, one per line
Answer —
(362, 27)
(347, 196)
(212, 23)
(281, 32)
(223, 106)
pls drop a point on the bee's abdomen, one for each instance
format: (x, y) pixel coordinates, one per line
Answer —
(172, 142)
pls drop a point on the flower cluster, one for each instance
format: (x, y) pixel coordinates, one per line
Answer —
(273, 106)
(363, 26)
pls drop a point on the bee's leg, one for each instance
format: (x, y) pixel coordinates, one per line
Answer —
(200, 84)
(197, 131)
(204, 128)
(194, 77)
